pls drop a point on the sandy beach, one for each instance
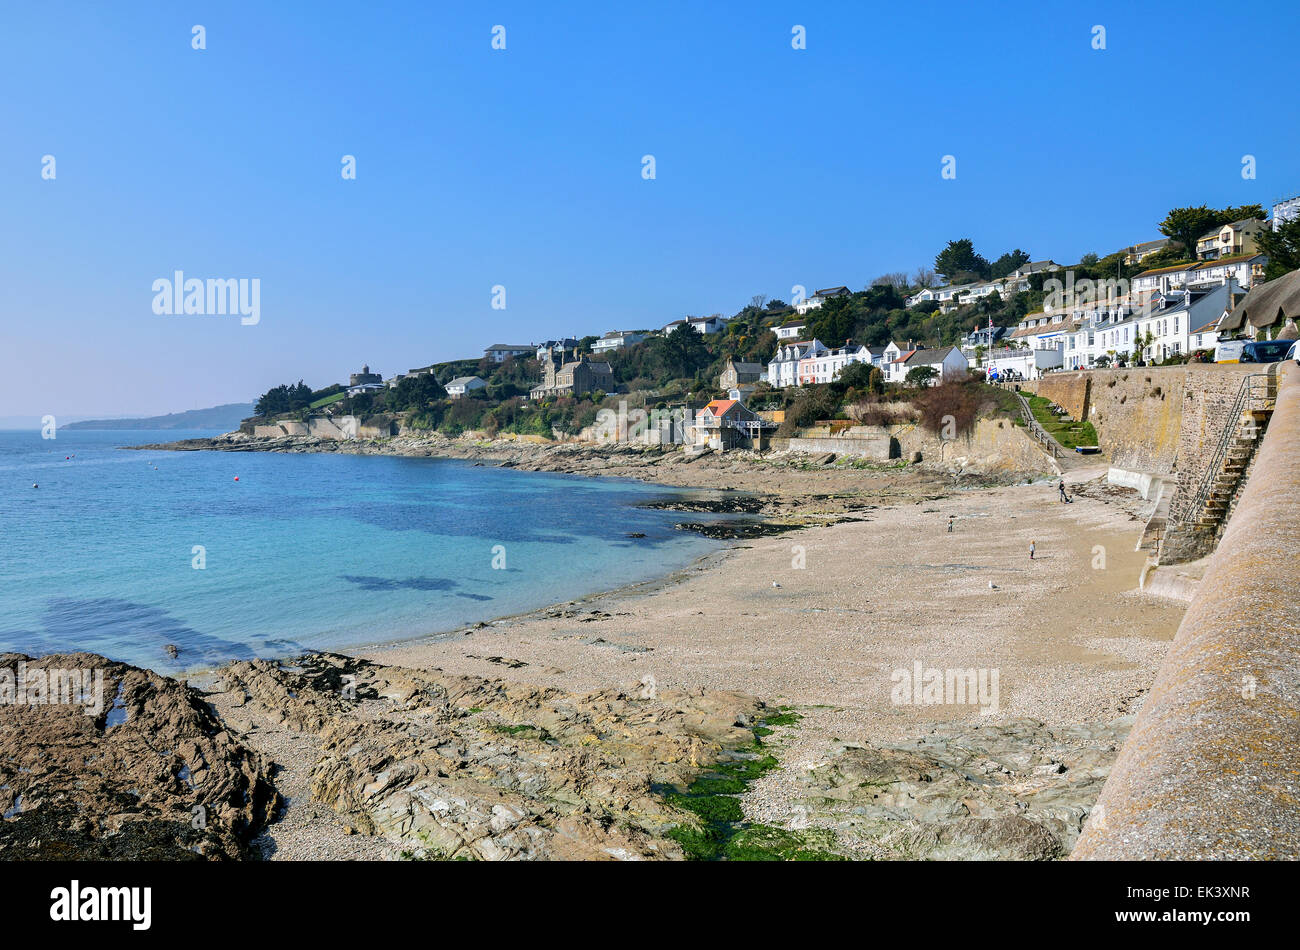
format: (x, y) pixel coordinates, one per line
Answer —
(900, 689)
(1071, 639)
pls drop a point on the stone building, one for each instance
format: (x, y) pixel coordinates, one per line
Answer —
(571, 375)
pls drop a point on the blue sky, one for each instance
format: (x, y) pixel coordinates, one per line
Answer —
(522, 167)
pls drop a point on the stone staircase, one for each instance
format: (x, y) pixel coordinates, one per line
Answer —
(1231, 478)
(1202, 519)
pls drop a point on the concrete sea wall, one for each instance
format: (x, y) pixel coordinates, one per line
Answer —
(1212, 766)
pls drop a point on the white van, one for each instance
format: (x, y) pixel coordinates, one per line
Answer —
(1229, 351)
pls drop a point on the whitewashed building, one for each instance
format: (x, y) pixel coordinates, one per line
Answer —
(946, 361)
(791, 329)
(825, 367)
(464, 384)
(783, 369)
(819, 297)
(616, 340)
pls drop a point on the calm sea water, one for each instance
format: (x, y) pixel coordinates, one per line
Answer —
(303, 551)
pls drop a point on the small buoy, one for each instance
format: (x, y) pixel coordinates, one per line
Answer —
(34, 485)
(236, 478)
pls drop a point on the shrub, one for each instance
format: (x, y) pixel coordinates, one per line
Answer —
(955, 399)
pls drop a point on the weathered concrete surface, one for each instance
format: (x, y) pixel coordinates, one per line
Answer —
(1212, 766)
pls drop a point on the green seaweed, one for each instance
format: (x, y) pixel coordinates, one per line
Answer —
(721, 832)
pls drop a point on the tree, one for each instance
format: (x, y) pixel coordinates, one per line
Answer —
(684, 351)
(959, 257)
(1007, 263)
(283, 398)
(1089, 259)
(924, 277)
(1282, 247)
(855, 376)
(757, 301)
(415, 392)
(895, 279)
(920, 375)
(1185, 225)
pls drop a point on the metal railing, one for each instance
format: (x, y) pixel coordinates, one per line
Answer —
(1256, 392)
(1036, 429)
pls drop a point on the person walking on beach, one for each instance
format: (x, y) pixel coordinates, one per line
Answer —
(1060, 488)
(1032, 548)
(951, 519)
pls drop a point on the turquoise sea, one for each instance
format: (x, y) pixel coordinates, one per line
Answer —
(123, 552)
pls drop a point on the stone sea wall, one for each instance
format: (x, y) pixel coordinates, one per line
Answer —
(1153, 420)
(1209, 770)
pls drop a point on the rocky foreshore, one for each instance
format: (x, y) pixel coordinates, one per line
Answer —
(779, 483)
(411, 763)
(741, 708)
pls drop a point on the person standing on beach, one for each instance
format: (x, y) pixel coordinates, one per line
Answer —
(951, 519)
(1032, 548)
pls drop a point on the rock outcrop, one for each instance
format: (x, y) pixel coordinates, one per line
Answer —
(135, 766)
(462, 767)
(1015, 790)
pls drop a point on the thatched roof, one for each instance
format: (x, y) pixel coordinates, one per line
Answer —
(1267, 304)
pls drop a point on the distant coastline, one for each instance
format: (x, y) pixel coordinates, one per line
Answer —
(222, 417)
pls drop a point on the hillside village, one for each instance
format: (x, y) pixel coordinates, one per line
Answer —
(774, 368)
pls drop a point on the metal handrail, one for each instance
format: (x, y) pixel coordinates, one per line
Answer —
(1243, 402)
(1036, 429)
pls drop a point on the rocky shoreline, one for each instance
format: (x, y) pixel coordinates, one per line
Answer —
(715, 713)
(418, 764)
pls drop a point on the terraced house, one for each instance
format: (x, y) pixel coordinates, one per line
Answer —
(783, 369)
(824, 367)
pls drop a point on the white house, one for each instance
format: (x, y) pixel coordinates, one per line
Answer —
(704, 325)
(462, 385)
(825, 366)
(500, 352)
(1185, 322)
(946, 361)
(1246, 270)
(791, 329)
(783, 369)
(1284, 211)
(616, 340)
(1024, 271)
(1160, 280)
(1027, 364)
(819, 297)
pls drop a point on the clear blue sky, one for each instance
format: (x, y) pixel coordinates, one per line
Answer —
(522, 168)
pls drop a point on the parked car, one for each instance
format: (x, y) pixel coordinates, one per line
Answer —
(1294, 352)
(1265, 351)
